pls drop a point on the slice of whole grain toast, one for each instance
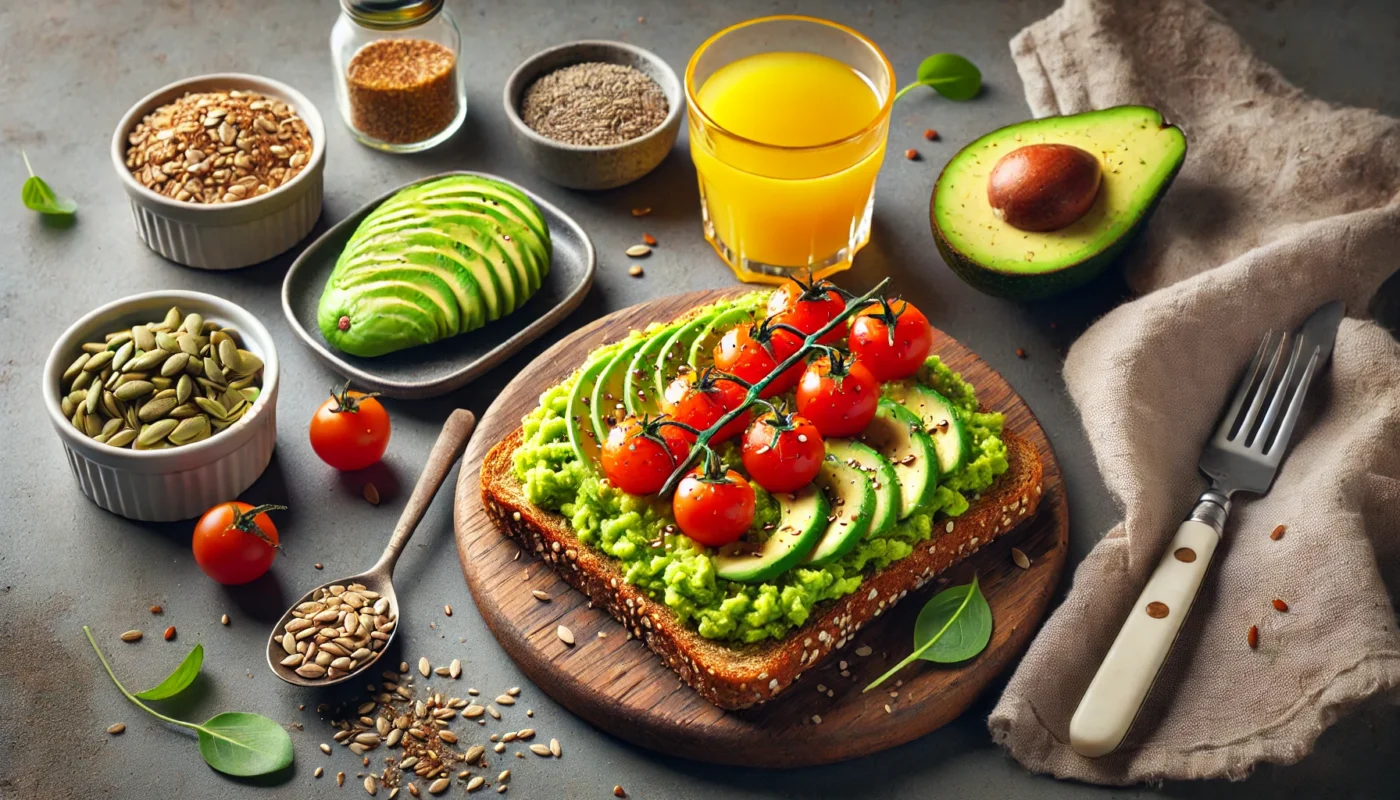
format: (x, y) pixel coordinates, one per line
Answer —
(738, 676)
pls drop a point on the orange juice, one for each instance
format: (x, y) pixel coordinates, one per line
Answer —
(786, 150)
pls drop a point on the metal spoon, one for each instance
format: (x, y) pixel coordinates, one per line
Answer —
(379, 579)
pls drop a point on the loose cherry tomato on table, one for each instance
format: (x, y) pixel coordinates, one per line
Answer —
(751, 352)
(350, 430)
(713, 508)
(783, 452)
(700, 399)
(235, 543)
(892, 339)
(839, 396)
(808, 306)
(639, 455)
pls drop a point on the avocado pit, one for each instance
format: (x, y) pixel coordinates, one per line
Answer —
(1043, 187)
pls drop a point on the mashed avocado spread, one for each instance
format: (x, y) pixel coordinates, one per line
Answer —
(679, 572)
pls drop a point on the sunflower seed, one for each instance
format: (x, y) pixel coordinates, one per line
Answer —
(541, 596)
(325, 748)
(372, 495)
(440, 785)
(371, 786)
(455, 669)
(475, 783)
(311, 670)
(565, 635)
(505, 700)
(1020, 558)
(473, 711)
(131, 636)
(541, 750)
(638, 250)
(116, 728)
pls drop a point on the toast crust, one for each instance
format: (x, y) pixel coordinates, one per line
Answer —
(739, 676)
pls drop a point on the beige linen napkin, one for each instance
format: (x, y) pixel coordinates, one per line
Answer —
(1284, 202)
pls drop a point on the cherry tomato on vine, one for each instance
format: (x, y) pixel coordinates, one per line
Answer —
(639, 456)
(235, 543)
(807, 307)
(783, 452)
(752, 352)
(714, 510)
(891, 339)
(350, 431)
(700, 399)
(839, 399)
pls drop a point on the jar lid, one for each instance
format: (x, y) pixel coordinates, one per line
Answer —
(387, 15)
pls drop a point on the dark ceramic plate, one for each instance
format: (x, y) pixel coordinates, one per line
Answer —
(440, 367)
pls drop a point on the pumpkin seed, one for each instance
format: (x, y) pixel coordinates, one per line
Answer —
(166, 342)
(172, 318)
(175, 364)
(123, 354)
(194, 323)
(66, 406)
(134, 389)
(93, 347)
(146, 361)
(251, 394)
(183, 411)
(123, 437)
(162, 383)
(110, 427)
(143, 338)
(156, 431)
(248, 362)
(213, 373)
(76, 367)
(110, 404)
(99, 361)
(84, 378)
(213, 408)
(183, 388)
(190, 429)
(94, 396)
(155, 408)
(228, 355)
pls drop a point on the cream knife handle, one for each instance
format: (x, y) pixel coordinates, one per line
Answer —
(1121, 685)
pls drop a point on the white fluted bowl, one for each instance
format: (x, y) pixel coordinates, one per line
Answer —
(180, 482)
(225, 235)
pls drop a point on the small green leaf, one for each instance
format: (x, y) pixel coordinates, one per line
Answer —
(969, 632)
(37, 195)
(959, 613)
(178, 680)
(950, 75)
(242, 744)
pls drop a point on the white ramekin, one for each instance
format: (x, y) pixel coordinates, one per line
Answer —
(225, 235)
(180, 482)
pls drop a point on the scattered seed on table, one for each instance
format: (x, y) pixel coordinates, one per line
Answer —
(911, 154)
(1020, 352)
(618, 792)
(170, 633)
(424, 667)
(555, 749)
(864, 650)
(371, 494)
(320, 566)
(1278, 532)
(1022, 560)
(649, 239)
(930, 134)
(130, 636)
(455, 668)
(157, 610)
(325, 748)
(116, 728)
(635, 270)
(638, 251)
(224, 619)
(1252, 638)
(340, 779)
(1279, 605)
(541, 750)
(513, 691)
(641, 212)
(439, 786)
(447, 610)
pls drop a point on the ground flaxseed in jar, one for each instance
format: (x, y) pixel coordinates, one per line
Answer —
(402, 91)
(594, 104)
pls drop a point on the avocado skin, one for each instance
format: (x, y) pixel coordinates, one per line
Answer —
(1023, 287)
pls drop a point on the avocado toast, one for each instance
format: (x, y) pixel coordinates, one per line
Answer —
(741, 628)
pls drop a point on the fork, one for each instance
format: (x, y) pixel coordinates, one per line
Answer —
(1243, 455)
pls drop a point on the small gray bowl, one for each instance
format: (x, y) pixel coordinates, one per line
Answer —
(599, 167)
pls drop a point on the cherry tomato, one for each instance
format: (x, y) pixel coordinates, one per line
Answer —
(743, 354)
(714, 511)
(235, 543)
(699, 400)
(807, 307)
(638, 458)
(783, 452)
(350, 430)
(890, 357)
(841, 401)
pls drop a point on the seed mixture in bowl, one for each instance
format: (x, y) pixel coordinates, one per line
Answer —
(162, 384)
(594, 104)
(218, 147)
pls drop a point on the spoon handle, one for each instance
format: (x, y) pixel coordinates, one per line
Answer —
(450, 444)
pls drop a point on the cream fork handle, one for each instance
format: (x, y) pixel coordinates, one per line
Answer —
(1124, 678)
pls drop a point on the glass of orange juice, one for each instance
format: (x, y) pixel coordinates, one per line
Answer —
(788, 121)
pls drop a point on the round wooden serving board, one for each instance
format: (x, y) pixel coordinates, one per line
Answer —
(621, 687)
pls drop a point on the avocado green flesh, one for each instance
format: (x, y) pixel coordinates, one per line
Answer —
(801, 523)
(702, 350)
(943, 424)
(582, 438)
(851, 499)
(1139, 155)
(606, 407)
(896, 434)
(434, 261)
(883, 481)
(638, 394)
(671, 357)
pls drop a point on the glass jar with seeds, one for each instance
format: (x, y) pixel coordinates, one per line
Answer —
(160, 384)
(398, 81)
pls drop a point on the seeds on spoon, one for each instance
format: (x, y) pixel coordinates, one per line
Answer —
(338, 630)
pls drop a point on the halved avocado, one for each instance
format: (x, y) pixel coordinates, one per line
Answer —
(801, 524)
(1139, 155)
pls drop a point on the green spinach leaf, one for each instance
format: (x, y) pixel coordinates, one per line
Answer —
(957, 618)
(37, 195)
(950, 75)
(178, 680)
(237, 743)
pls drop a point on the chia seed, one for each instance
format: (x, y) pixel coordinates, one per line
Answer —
(594, 104)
